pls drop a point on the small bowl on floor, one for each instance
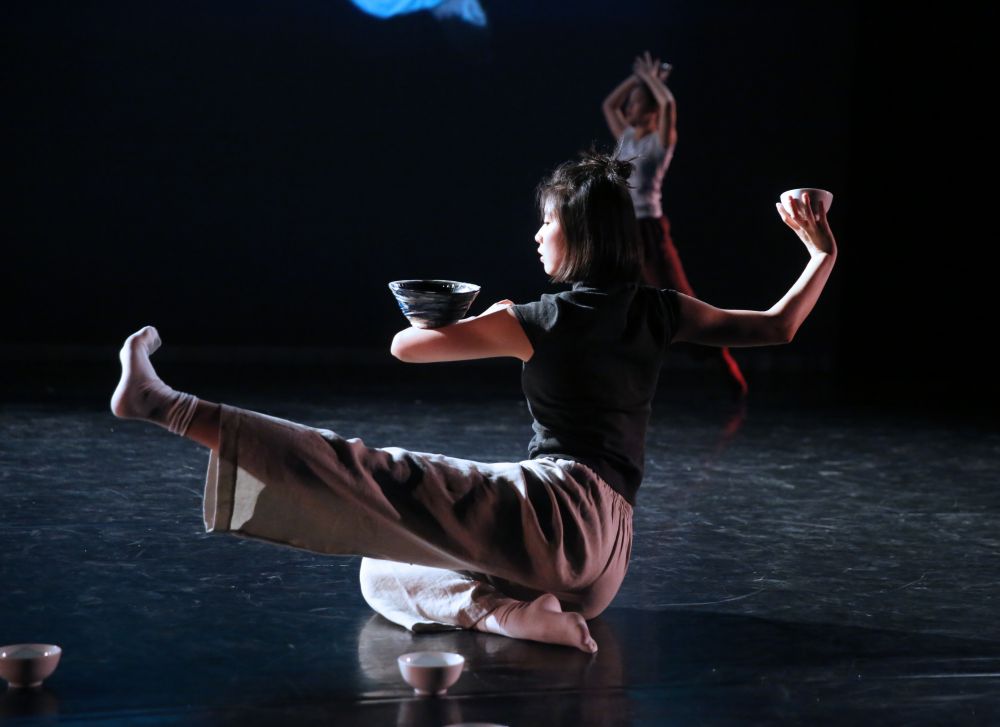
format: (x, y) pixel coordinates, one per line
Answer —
(28, 665)
(430, 673)
(433, 303)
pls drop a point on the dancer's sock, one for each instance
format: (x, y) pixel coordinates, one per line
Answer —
(141, 394)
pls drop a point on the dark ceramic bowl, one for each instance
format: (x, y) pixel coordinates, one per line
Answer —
(433, 303)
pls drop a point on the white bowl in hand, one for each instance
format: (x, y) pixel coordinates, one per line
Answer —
(818, 197)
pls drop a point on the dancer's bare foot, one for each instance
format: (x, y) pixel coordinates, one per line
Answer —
(540, 620)
(141, 394)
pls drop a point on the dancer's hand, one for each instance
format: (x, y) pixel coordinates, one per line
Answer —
(811, 226)
(646, 64)
(499, 305)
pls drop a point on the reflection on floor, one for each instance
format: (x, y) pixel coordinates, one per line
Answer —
(794, 563)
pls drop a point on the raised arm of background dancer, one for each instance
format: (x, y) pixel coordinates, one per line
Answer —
(612, 106)
(706, 324)
(492, 334)
(650, 71)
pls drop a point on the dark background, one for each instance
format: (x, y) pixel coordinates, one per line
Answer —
(253, 173)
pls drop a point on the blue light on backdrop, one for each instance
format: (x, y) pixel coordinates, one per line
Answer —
(467, 10)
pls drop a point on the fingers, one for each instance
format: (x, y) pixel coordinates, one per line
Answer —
(822, 223)
(795, 215)
(807, 207)
(797, 210)
(809, 224)
(786, 217)
(498, 306)
(646, 63)
(820, 214)
(815, 214)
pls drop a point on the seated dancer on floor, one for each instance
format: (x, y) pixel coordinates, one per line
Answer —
(525, 549)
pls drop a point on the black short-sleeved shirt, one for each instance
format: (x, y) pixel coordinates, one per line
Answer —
(591, 380)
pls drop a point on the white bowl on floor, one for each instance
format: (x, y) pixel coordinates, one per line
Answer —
(28, 665)
(430, 673)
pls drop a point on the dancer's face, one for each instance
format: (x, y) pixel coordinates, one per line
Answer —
(637, 109)
(551, 242)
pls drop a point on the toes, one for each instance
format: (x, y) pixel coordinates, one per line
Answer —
(586, 641)
(148, 337)
(152, 337)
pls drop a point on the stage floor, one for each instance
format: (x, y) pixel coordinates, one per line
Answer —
(802, 561)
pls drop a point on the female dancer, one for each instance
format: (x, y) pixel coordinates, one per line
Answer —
(641, 113)
(526, 549)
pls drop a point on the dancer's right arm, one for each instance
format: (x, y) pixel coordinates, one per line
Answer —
(492, 334)
(612, 106)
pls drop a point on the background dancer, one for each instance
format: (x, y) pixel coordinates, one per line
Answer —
(641, 113)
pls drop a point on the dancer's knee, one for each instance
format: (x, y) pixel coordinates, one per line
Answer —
(592, 601)
(590, 611)
(373, 577)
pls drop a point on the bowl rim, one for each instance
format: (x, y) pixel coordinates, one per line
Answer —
(396, 285)
(453, 659)
(49, 649)
(800, 190)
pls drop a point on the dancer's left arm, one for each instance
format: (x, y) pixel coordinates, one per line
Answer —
(702, 323)
(492, 334)
(651, 72)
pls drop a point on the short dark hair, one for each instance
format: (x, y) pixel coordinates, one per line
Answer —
(591, 198)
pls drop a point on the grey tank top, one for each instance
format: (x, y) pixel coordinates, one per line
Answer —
(651, 161)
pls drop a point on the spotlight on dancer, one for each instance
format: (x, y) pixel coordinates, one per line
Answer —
(529, 549)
